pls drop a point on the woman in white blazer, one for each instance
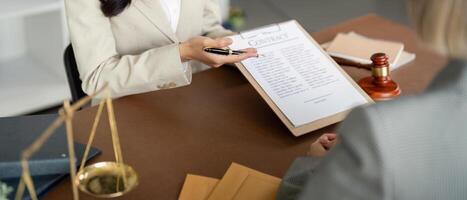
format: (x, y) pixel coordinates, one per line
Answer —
(137, 46)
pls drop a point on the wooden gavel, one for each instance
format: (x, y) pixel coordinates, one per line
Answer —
(379, 86)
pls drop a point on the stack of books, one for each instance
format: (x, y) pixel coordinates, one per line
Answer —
(358, 48)
(48, 166)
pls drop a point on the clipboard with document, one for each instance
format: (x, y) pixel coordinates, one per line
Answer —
(299, 81)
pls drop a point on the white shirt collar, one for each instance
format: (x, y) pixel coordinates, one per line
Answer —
(172, 10)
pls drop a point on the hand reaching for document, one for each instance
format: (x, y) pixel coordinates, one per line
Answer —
(323, 144)
(193, 49)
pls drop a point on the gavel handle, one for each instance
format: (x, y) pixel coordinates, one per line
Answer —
(350, 63)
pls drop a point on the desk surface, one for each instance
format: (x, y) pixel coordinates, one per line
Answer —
(220, 119)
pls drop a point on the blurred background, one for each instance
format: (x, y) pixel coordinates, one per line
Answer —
(317, 14)
(33, 36)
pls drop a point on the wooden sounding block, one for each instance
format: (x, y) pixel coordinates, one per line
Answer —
(379, 86)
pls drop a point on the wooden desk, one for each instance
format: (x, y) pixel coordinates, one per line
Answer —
(220, 119)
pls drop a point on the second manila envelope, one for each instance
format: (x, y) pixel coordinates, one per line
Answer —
(244, 183)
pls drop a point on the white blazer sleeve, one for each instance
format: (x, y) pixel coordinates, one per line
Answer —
(99, 62)
(212, 25)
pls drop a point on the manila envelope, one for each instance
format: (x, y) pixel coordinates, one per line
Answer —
(241, 183)
(197, 187)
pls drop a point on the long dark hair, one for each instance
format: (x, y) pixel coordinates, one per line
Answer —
(112, 8)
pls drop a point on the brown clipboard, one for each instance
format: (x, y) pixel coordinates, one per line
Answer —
(314, 125)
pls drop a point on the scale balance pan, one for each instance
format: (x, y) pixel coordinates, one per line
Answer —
(106, 179)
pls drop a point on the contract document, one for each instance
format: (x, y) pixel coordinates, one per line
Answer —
(296, 76)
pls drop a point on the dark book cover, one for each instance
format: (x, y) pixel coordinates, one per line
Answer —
(49, 165)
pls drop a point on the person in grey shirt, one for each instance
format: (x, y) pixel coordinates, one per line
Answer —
(411, 148)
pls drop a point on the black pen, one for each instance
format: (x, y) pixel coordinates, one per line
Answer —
(224, 52)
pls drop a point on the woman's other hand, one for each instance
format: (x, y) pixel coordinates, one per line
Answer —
(323, 144)
(193, 49)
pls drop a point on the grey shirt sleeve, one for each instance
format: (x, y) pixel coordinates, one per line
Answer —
(353, 168)
(296, 177)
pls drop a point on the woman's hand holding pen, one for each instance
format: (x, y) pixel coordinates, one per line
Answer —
(193, 49)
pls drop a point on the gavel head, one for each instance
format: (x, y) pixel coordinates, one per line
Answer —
(379, 85)
(380, 59)
(380, 68)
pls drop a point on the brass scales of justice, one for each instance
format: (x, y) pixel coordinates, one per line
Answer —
(103, 179)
